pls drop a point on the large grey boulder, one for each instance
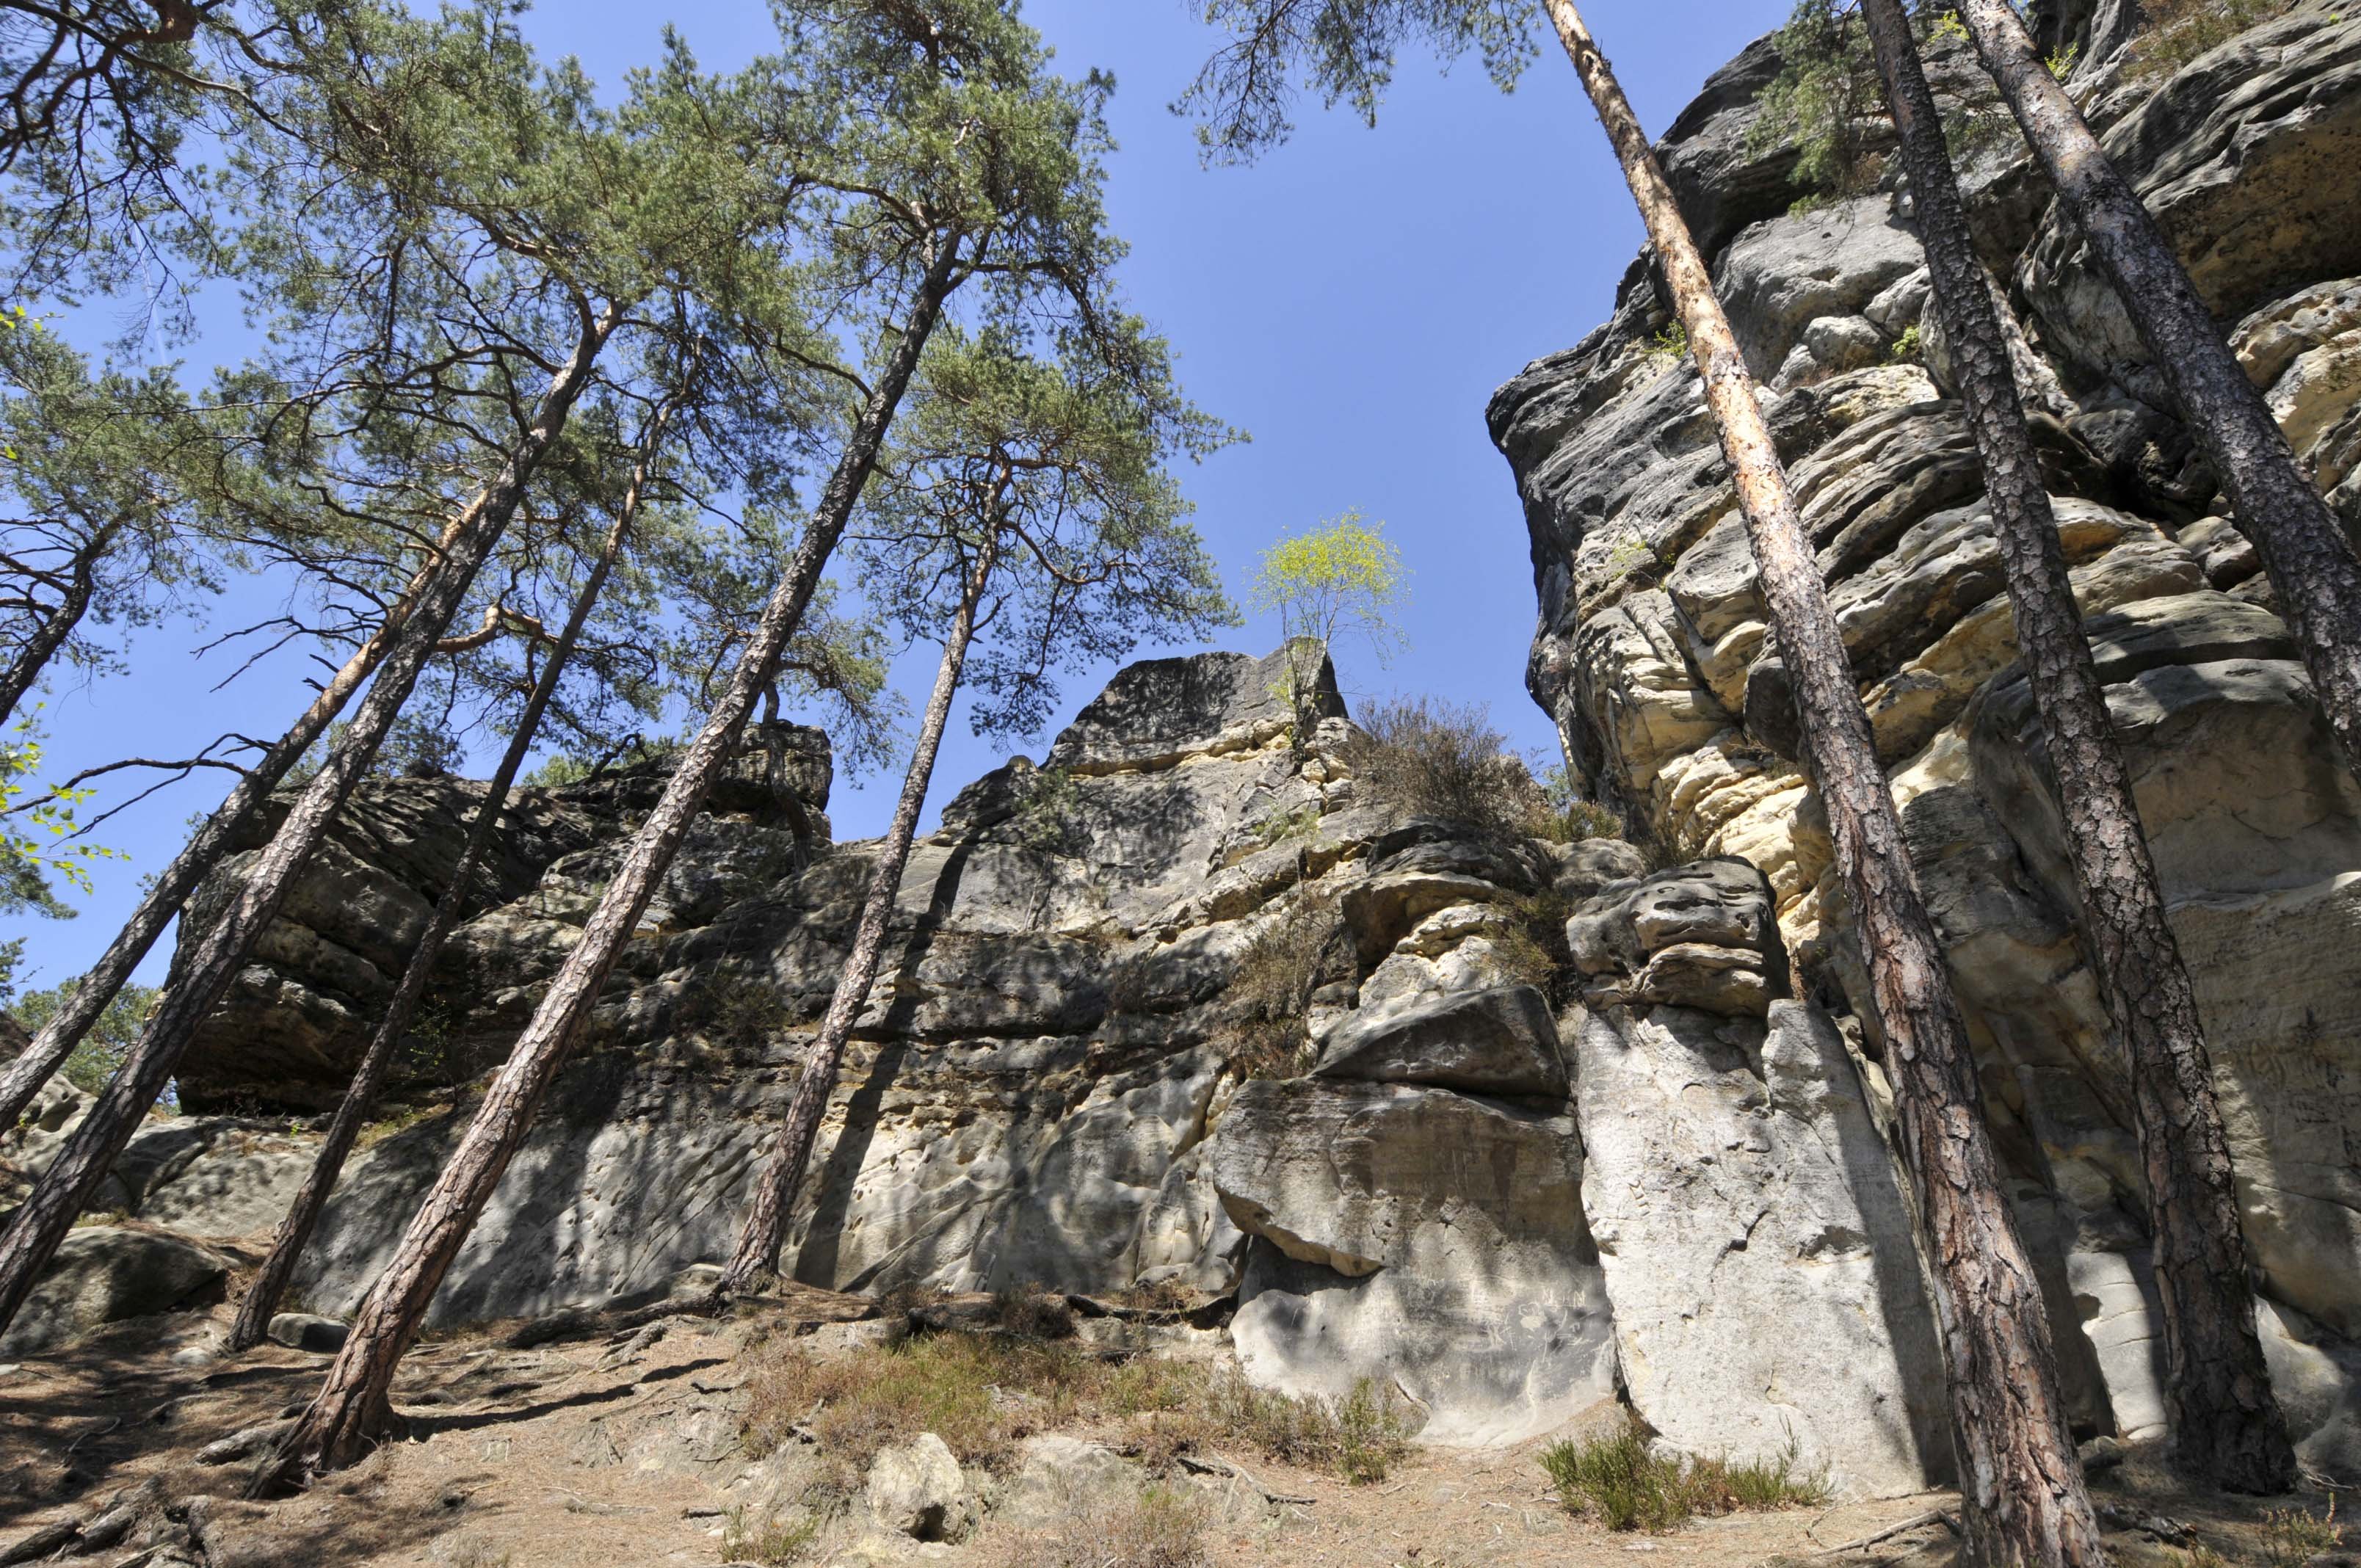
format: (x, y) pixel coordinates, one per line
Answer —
(105, 1275)
(1703, 936)
(1420, 1238)
(1757, 1249)
(1501, 1040)
(918, 1490)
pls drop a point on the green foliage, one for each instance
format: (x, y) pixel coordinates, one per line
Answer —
(110, 1040)
(1055, 459)
(1627, 1485)
(1671, 345)
(1909, 348)
(1342, 577)
(1566, 815)
(2175, 32)
(1046, 821)
(1280, 828)
(1343, 50)
(1830, 104)
(39, 832)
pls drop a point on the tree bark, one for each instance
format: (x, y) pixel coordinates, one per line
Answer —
(2311, 562)
(765, 1230)
(81, 1008)
(2023, 1500)
(43, 645)
(352, 1407)
(2225, 1427)
(252, 1325)
(49, 1213)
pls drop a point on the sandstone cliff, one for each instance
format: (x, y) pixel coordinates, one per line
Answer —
(1653, 1170)
(1652, 649)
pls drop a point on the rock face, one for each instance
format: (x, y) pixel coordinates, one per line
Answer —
(1652, 655)
(104, 1274)
(1564, 1123)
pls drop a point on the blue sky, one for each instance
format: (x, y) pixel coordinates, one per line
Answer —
(1351, 302)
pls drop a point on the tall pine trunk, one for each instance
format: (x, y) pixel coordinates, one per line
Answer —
(2023, 1498)
(2311, 562)
(262, 1298)
(57, 1199)
(2225, 1427)
(80, 1009)
(73, 603)
(352, 1410)
(774, 1190)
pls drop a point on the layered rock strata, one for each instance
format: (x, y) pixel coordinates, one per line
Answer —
(1653, 657)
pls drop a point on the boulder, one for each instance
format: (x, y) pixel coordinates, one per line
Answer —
(1421, 1238)
(1702, 935)
(1498, 1041)
(308, 1331)
(1756, 1246)
(1058, 1476)
(104, 1274)
(918, 1490)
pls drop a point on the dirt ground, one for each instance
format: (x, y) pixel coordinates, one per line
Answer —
(600, 1451)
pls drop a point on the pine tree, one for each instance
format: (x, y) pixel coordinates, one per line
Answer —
(2023, 1500)
(2225, 1427)
(1040, 491)
(957, 157)
(2315, 574)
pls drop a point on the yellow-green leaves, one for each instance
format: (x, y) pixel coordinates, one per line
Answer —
(33, 834)
(1344, 575)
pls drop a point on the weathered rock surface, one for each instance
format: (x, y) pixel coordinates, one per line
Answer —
(1652, 655)
(1498, 1041)
(1735, 1179)
(1504, 1194)
(1418, 1237)
(918, 1490)
(103, 1274)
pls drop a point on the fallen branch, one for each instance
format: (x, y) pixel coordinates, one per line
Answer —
(1214, 1465)
(1936, 1515)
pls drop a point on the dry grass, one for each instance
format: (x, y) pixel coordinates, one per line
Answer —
(2292, 1537)
(984, 1394)
(1161, 1526)
(1626, 1486)
(1270, 995)
(774, 1542)
(1423, 757)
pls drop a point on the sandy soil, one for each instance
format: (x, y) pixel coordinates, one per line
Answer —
(591, 1452)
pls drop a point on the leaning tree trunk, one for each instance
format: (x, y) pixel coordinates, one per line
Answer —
(80, 1008)
(262, 1301)
(2226, 1428)
(50, 1213)
(351, 1409)
(2311, 565)
(2023, 1498)
(43, 645)
(774, 1192)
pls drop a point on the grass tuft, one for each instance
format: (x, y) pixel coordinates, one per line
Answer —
(1619, 1479)
(984, 1394)
(2292, 1537)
